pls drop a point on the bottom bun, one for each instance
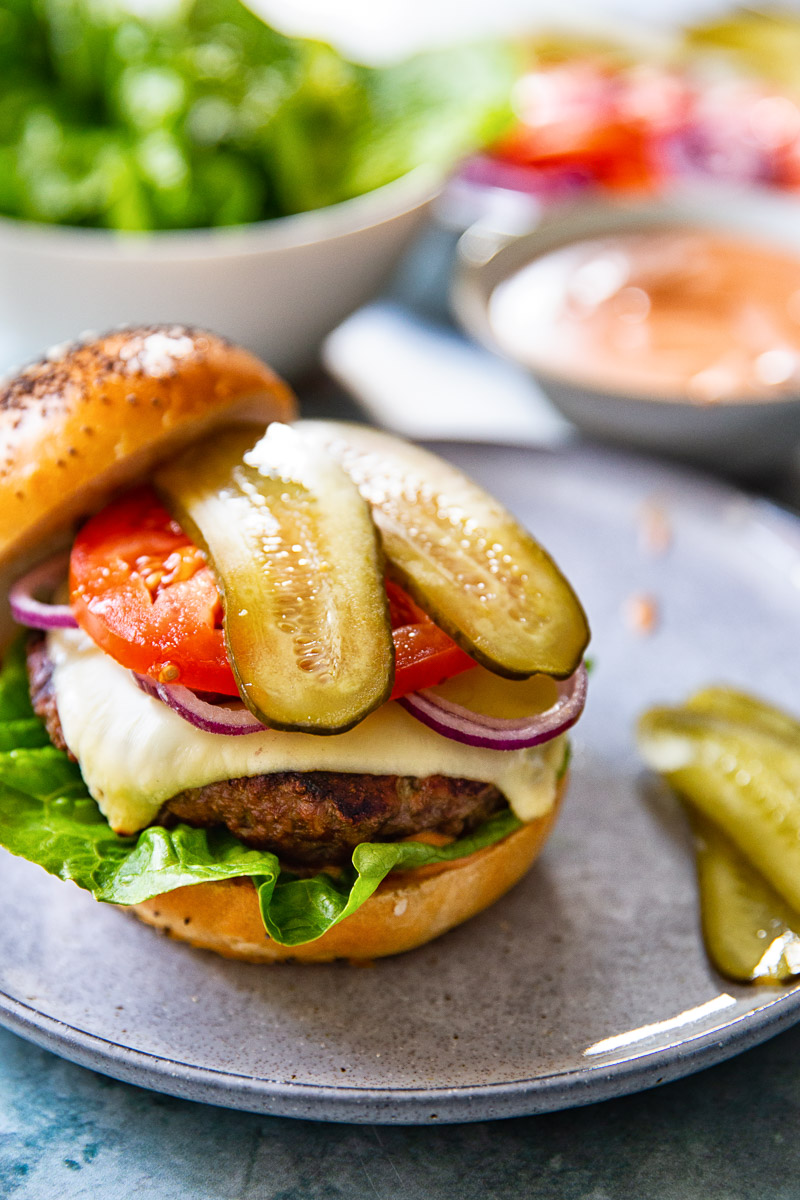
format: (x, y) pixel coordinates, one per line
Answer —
(408, 909)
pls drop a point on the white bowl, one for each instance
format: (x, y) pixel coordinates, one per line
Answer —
(743, 436)
(276, 286)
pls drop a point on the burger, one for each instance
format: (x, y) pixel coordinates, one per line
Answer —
(289, 689)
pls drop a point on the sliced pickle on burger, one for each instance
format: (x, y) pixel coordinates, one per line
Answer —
(463, 557)
(750, 932)
(743, 778)
(300, 573)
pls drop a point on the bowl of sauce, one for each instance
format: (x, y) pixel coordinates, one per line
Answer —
(672, 324)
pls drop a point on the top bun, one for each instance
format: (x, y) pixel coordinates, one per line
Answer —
(93, 417)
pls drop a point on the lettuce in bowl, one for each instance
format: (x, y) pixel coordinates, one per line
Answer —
(201, 115)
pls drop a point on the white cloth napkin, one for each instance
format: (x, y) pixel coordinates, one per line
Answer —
(428, 382)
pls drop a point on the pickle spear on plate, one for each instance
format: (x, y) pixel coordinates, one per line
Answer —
(744, 779)
(462, 556)
(748, 711)
(735, 761)
(751, 933)
(300, 572)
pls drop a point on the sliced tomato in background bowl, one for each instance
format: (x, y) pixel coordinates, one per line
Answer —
(145, 594)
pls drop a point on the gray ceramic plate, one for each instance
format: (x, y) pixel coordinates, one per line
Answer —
(588, 981)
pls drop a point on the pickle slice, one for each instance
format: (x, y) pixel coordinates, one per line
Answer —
(463, 557)
(750, 933)
(300, 573)
(744, 779)
(748, 711)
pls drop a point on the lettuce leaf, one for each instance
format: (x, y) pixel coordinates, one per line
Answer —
(197, 113)
(436, 107)
(300, 910)
(48, 817)
(15, 702)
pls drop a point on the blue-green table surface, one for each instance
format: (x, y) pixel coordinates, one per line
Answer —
(729, 1133)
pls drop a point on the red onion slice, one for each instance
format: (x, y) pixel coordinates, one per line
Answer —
(212, 718)
(451, 720)
(27, 610)
(494, 733)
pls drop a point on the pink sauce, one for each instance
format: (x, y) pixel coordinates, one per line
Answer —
(661, 313)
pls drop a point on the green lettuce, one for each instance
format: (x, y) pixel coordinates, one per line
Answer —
(48, 817)
(196, 113)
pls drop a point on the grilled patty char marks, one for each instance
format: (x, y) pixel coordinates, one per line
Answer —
(317, 817)
(305, 817)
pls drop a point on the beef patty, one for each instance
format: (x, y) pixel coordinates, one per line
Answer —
(305, 817)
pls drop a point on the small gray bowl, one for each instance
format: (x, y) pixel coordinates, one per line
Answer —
(744, 436)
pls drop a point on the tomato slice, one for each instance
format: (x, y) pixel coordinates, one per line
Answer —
(144, 593)
(424, 654)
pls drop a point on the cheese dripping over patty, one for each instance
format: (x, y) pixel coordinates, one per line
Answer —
(135, 753)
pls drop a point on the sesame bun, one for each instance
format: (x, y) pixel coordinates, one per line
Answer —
(92, 417)
(408, 909)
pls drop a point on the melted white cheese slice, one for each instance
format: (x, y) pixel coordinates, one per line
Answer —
(135, 753)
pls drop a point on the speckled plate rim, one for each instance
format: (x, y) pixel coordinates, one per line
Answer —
(405, 1106)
